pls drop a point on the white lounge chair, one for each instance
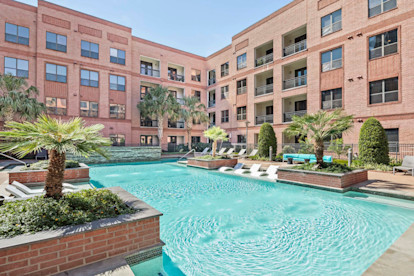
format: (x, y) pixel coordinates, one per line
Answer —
(271, 172)
(17, 193)
(226, 169)
(253, 169)
(229, 152)
(204, 152)
(242, 152)
(406, 166)
(253, 153)
(221, 152)
(27, 190)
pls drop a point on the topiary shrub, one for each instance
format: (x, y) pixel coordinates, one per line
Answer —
(288, 149)
(373, 143)
(267, 139)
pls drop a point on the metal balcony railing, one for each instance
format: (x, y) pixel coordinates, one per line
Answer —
(331, 65)
(263, 90)
(332, 28)
(150, 72)
(264, 60)
(149, 123)
(383, 50)
(295, 82)
(241, 90)
(295, 48)
(287, 116)
(211, 81)
(176, 77)
(264, 119)
(178, 124)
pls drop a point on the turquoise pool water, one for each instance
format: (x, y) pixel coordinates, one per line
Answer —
(217, 224)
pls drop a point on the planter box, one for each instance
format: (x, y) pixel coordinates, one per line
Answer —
(72, 247)
(211, 164)
(80, 174)
(333, 180)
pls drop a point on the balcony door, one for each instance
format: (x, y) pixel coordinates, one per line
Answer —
(300, 38)
(299, 75)
(300, 105)
(146, 68)
(269, 110)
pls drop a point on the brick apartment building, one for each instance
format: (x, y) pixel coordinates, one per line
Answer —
(309, 55)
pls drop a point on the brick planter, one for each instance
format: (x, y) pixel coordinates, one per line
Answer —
(332, 180)
(67, 248)
(80, 174)
(211, 164)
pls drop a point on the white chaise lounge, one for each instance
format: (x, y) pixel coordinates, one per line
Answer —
(226, 169)
(229, 152)
(406, 166)
(204, 152)
(27, 190)
(221, 152)
(253, 169)
(17, 193)
(271, 172)
(253, 153)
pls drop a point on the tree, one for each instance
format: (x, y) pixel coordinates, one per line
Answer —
(267, 139)
(157, 104)
(193, 111)
(318, 127)
(373, 143)
(306, 147)
(337, 146)
(58, 138)
(215, 133)
(16, 98)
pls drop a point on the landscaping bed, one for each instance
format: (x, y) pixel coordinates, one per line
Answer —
(211, 163)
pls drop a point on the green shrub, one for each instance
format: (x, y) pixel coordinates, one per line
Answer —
(329, 168)
(395, 163)
(341, 162)
(259, 158)
(288, 149)
(267, 139)
(209, 157)
(42, 165)
(373, 143)
(377, 167)
(39, 213)
(337, 146)
(279, 157)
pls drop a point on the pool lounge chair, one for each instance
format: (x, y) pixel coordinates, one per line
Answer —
(204, 152)
(255, 168)
(27, 190)
(406, 166)
(241, 153)
(221, 152)
(226, 169)
(253, 153)
(271, 172)
(229, 152)
(17, 193)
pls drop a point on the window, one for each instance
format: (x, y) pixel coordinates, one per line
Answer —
(332, 60)
(89, 78)
(89, 109)
(212, 117)
(89, 49)
(212, 98)
(197, 94)
(56, 106)
(393, 139)
(241, 139)
(241, 113)
(147, 68)
(117, 56)
(117, 111)
(383, 91)
(195, 75)
(332, 99)
(380, 6)
(225, 92)
(211, 77)
(241, 86)
(383, 44)
(56, 73)
(195, 139)
(148, 122)
(148, 140)
(225, 69)
(17, 34)
(331, 23)
(16, 67)
(56, 42)
(241, 61)
(117, 139)
(116, 83)
(224, 116)
(144, 91)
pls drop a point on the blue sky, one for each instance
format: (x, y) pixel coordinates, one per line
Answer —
(197, 26)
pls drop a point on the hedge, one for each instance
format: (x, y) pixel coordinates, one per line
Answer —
(373, 143)
(267, 139)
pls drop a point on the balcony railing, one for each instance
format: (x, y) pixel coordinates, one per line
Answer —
(212, 103)
(332, 28)
(265, 89)
(211, 81)
(150, 72)
(178, 124)
(264, 60)
(332, 104)
(149, 123)
(176, 77)
(295, 82)
(383, 50)
(264, 119)
(196, 78)
(241, 90)
(295, 48)
(287, 116)
(331, 65)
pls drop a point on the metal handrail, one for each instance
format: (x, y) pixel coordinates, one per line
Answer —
(14, 159)
(295, 48)
(186, 154)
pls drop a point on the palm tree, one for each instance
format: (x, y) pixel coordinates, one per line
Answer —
(319, 127)
(193, 111)
(157, 104)
(216, 133)
(58, 138)
(16, 98)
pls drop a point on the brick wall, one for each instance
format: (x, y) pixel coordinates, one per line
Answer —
(76, 250)
(40, 176)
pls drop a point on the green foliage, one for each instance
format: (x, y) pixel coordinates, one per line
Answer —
(193, 111)
(39, 213)
(199, 147)
(258, 158)
(395, 163)
(341, 162)
(209, 157)
(288, 149)
(267, 139)
(373, 143)
(42, 165)
(306, 147)
(337, 146)
(279, 157)
(329, 168)
(377, 167)
(216, 133)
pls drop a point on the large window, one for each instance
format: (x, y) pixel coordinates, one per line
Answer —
(241, 139)
(116, 83)
(56, 106)
(117, 111)
(148, 140)
(380, 6)
(332, 99)
(241, 86)
(332, 60)
(383, 91)
(16, 67)
(383, 44)
(89, 109)
(144, 91)
(225, 69)
(195, 75)
(211, 77)
(197, 94)
(117, 139)
(242, 61)
(225, 92)
(117, 56)
(331, 23)
(393, 139)
(89, 49)
(17, 34)
(195, 139)
(224, 116)
(89, 78)
(56, 42)
(241, 113)
(56, 73)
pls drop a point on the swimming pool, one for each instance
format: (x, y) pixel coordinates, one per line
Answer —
(217, 224)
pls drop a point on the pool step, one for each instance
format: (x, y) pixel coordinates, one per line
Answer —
(381, 199)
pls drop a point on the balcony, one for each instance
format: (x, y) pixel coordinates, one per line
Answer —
(264, 112)
(287, 116)
(294, 41)
(264, 90)
(176, 72)
(150, 67)
(295, 74)
(264, 119)
(176, 124)
(195, 75)
(263, 83)
(149, 123)
(175, 77)
(295, 82)
(295, 48)
(264, 54)
(294, 106)
(150, 72)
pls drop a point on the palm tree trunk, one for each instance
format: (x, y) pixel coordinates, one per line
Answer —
(8, 115)
(319, 148)
(214, 148)
(55, 174)
(160, 129)
(189, 137)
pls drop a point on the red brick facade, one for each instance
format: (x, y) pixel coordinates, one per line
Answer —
(40, 176)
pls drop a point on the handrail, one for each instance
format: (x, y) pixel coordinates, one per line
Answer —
(186, 154)
(12, 158)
